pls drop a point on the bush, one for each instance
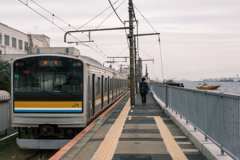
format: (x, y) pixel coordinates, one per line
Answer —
(5, 75)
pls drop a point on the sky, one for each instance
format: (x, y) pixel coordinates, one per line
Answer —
(199, 39)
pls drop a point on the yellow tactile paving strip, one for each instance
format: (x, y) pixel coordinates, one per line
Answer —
(107, 148)
(172, 146)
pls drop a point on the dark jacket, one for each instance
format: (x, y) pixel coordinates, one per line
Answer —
(143, 83)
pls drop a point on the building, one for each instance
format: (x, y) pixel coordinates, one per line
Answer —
(13, 41)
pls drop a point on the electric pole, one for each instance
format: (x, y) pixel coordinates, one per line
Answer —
(136, 72)
(130, 36)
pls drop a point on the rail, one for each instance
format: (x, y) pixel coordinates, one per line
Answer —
(4, 110)
(216, 115)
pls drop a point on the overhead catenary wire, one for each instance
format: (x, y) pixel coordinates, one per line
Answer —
(60, 27)
(145, 18)
(102, 54)
(51, 13)
(115, 11)
(70, 25)
(46, 18)
(158, 39)
(121, 21)
(146, 53)
(122, 52)
(109, 15)
(97, 15)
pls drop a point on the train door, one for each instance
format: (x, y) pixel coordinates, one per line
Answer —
(108, 90)
(112, 87)
(102, 92)
(117, 88)
(89, 106)
(93, 95)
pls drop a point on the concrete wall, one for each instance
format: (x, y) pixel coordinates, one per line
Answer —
(4, 115)
(44, 39)
(4, 110)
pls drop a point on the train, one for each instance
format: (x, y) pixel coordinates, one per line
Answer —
(55, 96)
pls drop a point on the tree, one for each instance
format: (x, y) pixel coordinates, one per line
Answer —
(5, 75)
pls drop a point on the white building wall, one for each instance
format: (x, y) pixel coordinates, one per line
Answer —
(13, 33)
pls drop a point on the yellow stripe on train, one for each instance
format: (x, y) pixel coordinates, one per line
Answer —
(47, 104)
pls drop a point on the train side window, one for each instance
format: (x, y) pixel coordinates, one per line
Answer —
(106, 85)
(98, 86)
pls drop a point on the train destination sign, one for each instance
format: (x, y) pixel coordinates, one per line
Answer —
(50, 63)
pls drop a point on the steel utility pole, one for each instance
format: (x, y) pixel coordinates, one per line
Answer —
(136, 72)
(130, 36)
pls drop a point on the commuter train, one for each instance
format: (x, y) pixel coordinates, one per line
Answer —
(55, 96)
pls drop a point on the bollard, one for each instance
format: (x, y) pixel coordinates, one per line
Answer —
(206, 139)
(222, 152)
(166, 93)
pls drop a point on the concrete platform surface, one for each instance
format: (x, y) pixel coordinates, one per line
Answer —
(134, 133)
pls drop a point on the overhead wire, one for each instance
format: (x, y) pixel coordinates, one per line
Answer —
(71, 26)
(158, 39)
(120, 20)
(59, 27)
(122, 51)
(45, 18)
(144, 17)
(97, 15)
(51, 13)
(108, 17)
(110, 14)
(115, 11)
(145, 53)
(160, 49)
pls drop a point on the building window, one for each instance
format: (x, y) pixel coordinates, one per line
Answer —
(0, 38)
(19, 44)
(14, 42)
(26, 46)
(6, 40)
(0, 51)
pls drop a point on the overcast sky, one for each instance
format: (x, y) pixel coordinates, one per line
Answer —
(199, 39)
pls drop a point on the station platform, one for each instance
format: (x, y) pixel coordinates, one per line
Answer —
(126, 132)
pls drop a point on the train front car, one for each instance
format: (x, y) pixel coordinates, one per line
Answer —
(47, 100)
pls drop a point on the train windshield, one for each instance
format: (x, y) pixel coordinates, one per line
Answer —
(48, 74)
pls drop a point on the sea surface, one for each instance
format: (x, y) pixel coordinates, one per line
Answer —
(226, 87)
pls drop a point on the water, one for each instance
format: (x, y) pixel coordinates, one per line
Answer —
(226, 87)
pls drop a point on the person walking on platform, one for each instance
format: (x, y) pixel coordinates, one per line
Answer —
(143, 86)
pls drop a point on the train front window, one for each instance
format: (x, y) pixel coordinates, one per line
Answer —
(48, 74)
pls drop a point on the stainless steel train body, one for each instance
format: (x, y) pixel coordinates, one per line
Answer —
(55, 96)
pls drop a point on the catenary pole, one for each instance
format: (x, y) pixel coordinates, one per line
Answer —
(130, 36)
(135, 59)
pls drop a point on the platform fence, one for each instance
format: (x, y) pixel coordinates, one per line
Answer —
(216, 115)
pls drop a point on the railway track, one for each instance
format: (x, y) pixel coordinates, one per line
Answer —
(32, 155)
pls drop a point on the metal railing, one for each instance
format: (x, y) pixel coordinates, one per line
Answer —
(216, 115)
